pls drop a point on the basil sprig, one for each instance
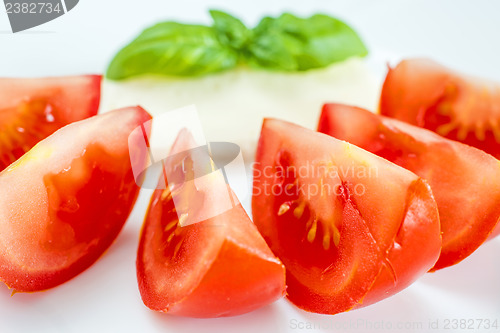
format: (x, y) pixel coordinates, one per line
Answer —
(285, 43)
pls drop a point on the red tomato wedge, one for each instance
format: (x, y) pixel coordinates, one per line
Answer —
(348, 225)
(64, 202)
(465, 180)
(32, 109)
(460, 107)
(220, 266)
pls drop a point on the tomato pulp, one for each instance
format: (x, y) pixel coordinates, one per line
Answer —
(465, 180)
(64, 202)
(460, 107)
(32, 109)
(348, 225)
(219, 266)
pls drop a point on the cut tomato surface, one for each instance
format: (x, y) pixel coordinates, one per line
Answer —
(219, 266)
(64, 202)
(460, 107)
(465, 180)
(32, 109)
(348, 225)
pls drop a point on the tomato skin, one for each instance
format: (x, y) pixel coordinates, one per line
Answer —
(248, 279)
(313, 295)
(218, 267)
(330, 278)
(210, 298)
(460, 107)
(32, 109)
(467, 215)
(67, 201)
(496, 231)
(418, 228)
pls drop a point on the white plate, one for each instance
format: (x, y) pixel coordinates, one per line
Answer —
(105, 298)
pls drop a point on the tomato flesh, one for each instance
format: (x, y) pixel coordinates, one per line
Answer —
(317, 202)
(64, 202)
(220, 266)
(459, 107)
(32, 109)
(465, 181)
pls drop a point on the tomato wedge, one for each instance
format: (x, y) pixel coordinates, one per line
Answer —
(32, 109)
(220, 266)
(64, 202)
(348, 225)
(465, 180)
(460, 107)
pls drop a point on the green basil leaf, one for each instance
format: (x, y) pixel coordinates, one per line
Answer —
(286, 43)
(314, 42)
(230, 30)
(330, 40)
(273, 51)
(173, 49)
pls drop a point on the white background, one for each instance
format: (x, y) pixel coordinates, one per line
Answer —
(462, 34)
